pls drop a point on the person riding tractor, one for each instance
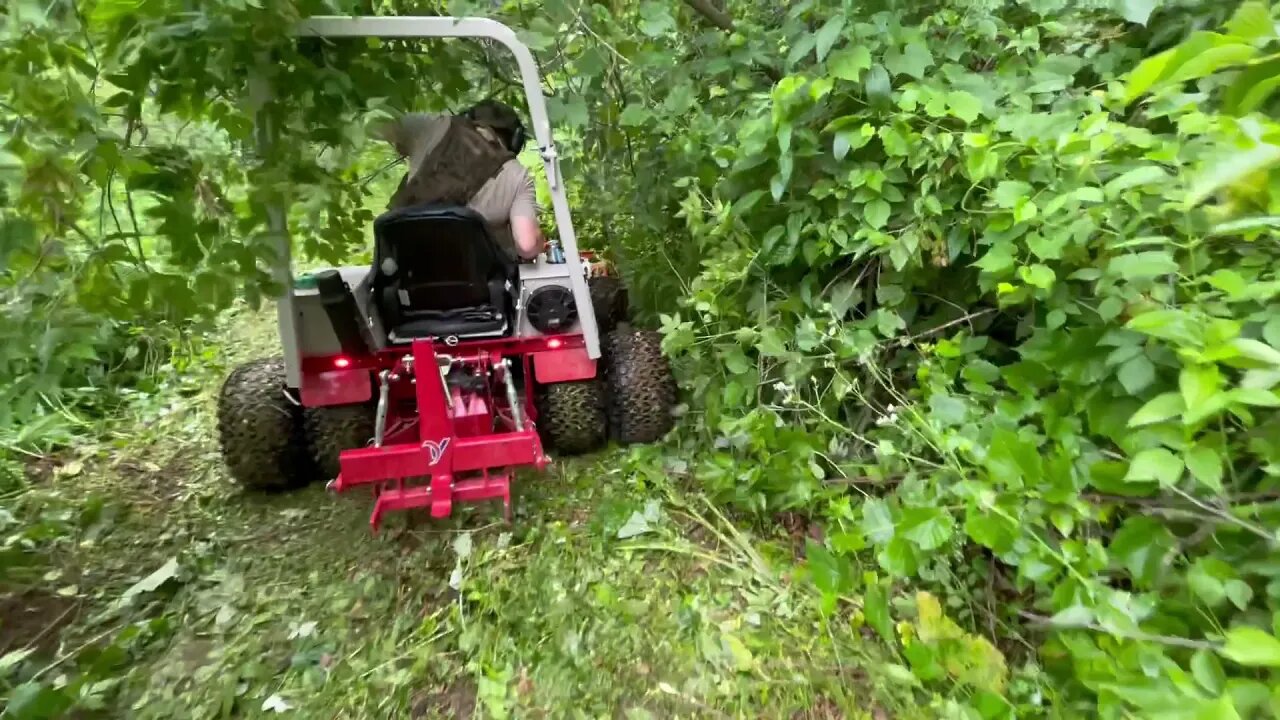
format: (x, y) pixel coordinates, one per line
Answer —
(470, 159)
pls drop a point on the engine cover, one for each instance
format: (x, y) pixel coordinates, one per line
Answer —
(552, 309)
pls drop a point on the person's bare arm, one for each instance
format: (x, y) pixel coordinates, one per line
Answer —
(525, 230)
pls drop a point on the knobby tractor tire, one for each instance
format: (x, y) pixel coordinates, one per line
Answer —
(335, 428)
(641, 389)
(260, 429)
(609, 300)
(571, 416)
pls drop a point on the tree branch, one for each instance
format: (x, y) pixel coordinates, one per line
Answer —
(724, 21)
(713, 14)
(1137, 636)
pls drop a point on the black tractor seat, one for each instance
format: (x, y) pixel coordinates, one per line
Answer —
(439, 273)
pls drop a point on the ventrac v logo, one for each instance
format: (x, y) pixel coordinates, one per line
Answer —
(435, 449)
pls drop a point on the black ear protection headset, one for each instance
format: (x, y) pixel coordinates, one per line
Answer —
(512, 130)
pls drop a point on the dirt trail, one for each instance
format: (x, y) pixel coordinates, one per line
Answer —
(611, 595)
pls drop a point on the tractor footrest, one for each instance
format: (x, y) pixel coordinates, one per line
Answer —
(441, 493)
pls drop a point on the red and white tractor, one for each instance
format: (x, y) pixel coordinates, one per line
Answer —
(433, 375)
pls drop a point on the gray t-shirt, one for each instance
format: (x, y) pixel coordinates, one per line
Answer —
(509, 194)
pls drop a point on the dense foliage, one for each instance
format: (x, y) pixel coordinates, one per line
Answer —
(986, 289)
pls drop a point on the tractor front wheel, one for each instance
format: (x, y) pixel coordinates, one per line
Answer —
(641, 389)
(260, 428)
(335, 428)
(572, 416)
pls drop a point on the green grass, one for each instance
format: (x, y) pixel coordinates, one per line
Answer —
(290, 600)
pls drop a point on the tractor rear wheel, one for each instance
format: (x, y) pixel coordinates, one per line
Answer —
(609, 300)
(641, 389)
(260, 428)
(334, 428)
(571, 416)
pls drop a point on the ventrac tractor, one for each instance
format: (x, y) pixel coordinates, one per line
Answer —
(433, 374)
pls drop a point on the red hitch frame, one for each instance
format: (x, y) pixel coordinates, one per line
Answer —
(445, 441)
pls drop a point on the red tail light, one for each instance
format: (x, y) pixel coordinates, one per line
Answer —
(341, 362)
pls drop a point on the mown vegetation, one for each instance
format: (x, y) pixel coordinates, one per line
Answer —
(980, 294)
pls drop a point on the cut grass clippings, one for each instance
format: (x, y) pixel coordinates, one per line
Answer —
(606, 597)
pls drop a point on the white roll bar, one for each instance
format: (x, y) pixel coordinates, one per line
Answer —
(447, 27)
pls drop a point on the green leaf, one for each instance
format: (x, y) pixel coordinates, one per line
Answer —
(848, 64)
(1146, 74)
(1256, 397)
(1009, 192)
(840, 145)
(1231, 169)
(947, 409)
(1238, 592)
(1110, 308)
(828, 34)
(656, 19)
(1039, 275)
(1141, 546)
(1271, 331)
(1173, 325)
(635, 526)
(1046, 247)
(1207, 671)
(771, 344)
(1224, 53)
(1145, 175)
(996, 261)
(1251, 647)
(875, 606)
(1010, 459)
(1206, 577)
(830, 573)
(1252, 20)
(877, 522)
(36, 701)
(634, 116)
(1156, 464)
(899, 558)
(991, 530)
(878, 85)
(1143, 265)
(152, 582)
(1198, 385)
(1255, 350)
(1248, 224)
(928, 527)
(913, 59)
(1205, 465)
(964, 105)
(11, 660)
(1136, 374)
(1253, 86)
(876, 213)
(737, 653)
(735, 361)
(1137, 11)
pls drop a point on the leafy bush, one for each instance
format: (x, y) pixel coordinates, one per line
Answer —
(986, 287)
(961, 268)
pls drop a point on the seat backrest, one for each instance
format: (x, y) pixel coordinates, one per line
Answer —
(435, 258)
